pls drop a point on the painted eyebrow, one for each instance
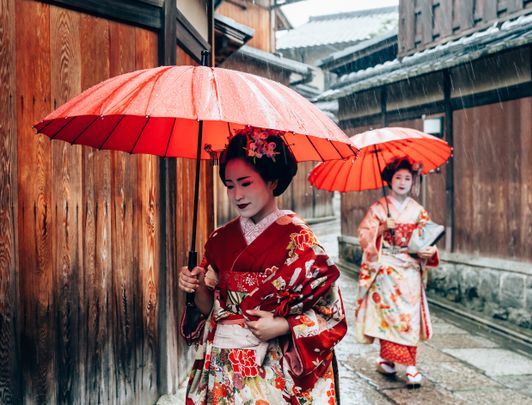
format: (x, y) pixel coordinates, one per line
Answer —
(239, 179)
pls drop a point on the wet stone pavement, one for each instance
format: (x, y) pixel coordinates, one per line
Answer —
(458, 367)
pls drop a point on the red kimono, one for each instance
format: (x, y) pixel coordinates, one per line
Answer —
(284, 271)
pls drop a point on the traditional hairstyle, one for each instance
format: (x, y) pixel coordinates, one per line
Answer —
(266, 152)
(406, 164)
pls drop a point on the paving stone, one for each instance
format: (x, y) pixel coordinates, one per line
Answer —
(436, 320)
(365, 368)
(355, 391)
(519, 383)
(459, 341)
(456, 376)
(494, 361)
(491, 396)
(441, 328)
(428, 354)
(423, 396)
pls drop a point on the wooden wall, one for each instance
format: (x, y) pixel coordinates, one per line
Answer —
(10, 381)
(424, 23)
(81, 281)
(493, 179)
(255, 16)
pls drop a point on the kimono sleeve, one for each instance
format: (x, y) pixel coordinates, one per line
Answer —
(368, 234)
(320, 325)
(423, 218)
(304, 291)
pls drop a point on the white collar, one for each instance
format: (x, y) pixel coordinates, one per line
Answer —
(399, 206)
(251, 231)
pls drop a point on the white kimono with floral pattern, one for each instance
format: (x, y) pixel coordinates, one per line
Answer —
(391, 302)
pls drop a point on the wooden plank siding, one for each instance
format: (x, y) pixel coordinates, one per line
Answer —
(493, 179)
(35, 204)
(10, 356)
(426, 23)
(80, 231)
(254, 16)
(67, 205)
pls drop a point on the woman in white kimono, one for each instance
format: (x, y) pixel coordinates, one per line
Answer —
(391, 303)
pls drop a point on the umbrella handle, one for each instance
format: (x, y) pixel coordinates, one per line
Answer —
(392, 231)
(192, 262)
(192, 317)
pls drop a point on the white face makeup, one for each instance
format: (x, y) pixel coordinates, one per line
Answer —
(401, 183)
(251, 195)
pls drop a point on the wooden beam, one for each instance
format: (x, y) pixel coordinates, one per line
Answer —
(492, 96)
(189, 38)
(384, 100)
(141, 13)
(167, 35)
(449, 169)
(457, 103)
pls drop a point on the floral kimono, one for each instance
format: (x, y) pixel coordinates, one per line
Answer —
(391, 303)
(276, 266)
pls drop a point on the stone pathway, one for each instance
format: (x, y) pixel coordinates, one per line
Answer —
(458, 367)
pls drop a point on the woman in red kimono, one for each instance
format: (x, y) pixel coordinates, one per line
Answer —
(272, 311)
(391, 303)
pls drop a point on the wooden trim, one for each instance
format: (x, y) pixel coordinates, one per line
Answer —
(374, 119)
(167, 35)
(403, 114)
(460, 34)
(189, 38)
(141, 13)
(384, 103)
(458, 103)
(211, 32)
(492, 96)
(449, 170)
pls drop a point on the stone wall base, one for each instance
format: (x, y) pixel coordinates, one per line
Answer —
(492, 288)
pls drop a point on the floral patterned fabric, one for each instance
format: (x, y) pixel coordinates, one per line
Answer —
(286, 272)
(391, 303)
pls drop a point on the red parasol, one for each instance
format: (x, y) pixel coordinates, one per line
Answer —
(377, 148)
(190, 111)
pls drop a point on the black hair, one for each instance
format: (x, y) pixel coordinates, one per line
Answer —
(282, 167)
(393, 167)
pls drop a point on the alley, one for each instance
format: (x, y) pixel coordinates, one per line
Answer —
(458, 366)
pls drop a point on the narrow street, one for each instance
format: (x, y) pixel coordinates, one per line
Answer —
(458, 367)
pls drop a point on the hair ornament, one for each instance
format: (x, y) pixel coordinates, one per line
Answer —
(257, 145)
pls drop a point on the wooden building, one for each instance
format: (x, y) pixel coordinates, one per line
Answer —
(468, 64)
(91, 241)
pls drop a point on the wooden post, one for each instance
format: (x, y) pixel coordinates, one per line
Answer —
(384, 110)
(449, 179)
(167, 56)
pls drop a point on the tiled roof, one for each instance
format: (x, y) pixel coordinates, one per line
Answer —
(509, 35)
(275, 60)
(355, 49)
(342, 28)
